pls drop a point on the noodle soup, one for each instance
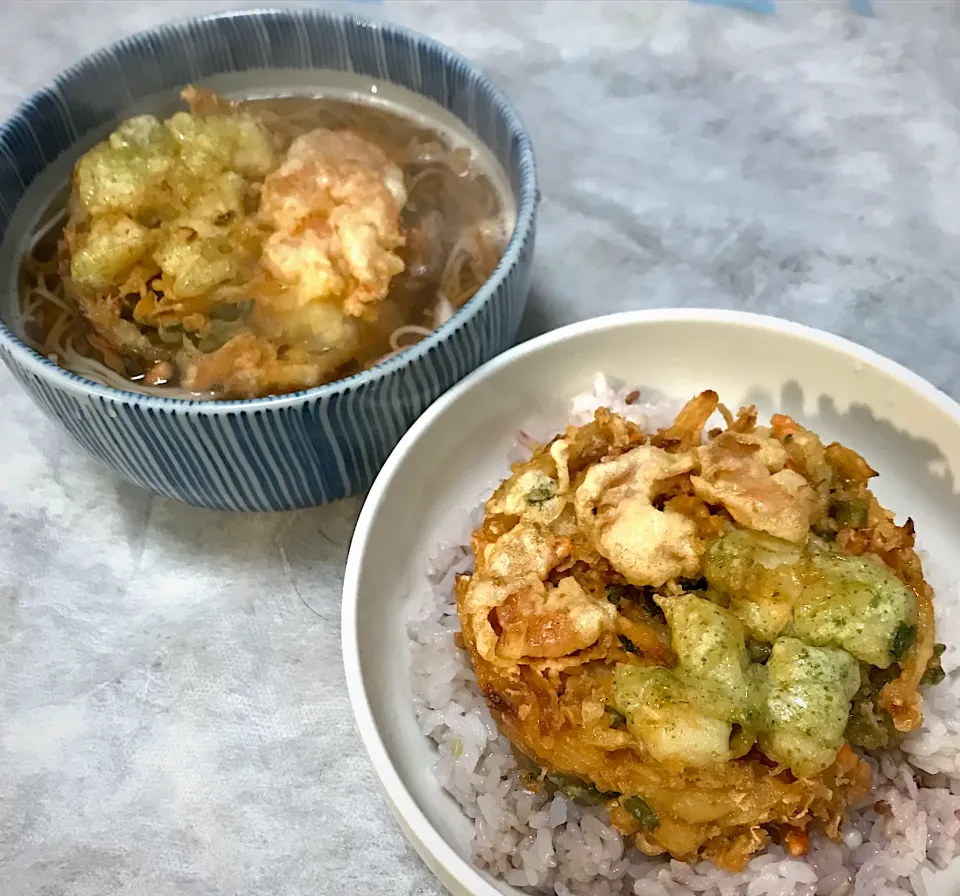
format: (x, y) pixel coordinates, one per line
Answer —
(244, 249)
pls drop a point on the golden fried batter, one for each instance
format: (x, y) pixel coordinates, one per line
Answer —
(205, 242)
(698, 633)
(335, 205)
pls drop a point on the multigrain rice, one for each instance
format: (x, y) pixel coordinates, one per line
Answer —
(907, 829)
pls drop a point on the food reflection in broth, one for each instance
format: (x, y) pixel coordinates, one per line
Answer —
(260, 247)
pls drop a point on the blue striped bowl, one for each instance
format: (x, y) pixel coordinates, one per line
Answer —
(297, 450)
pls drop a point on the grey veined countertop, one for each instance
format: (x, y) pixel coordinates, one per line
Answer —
(174, 717)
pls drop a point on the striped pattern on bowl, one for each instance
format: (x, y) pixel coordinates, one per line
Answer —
(295, 450)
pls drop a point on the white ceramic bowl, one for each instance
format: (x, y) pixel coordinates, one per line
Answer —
(455, 454)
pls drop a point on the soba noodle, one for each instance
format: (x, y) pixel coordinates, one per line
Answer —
(453, 218)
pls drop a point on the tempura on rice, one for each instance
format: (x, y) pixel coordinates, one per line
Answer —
(703, 631)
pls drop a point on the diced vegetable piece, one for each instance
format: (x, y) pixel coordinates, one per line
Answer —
(578, 790)
(615, 592)
(853, 514)
(629, 646)
(869, 726)
(934, 674)
(796, 842)
(903, 638)
(758, 651)
(542, 491)
(645, 816)
(693, 584)
(615, 718)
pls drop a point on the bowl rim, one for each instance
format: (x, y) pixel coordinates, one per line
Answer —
(527, 201)
(424, 835)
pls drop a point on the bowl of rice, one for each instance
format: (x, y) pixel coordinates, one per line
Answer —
(497, 801)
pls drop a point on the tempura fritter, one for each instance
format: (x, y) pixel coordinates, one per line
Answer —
(698, 630)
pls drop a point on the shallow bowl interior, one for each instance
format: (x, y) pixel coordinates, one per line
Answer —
(454, 456)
